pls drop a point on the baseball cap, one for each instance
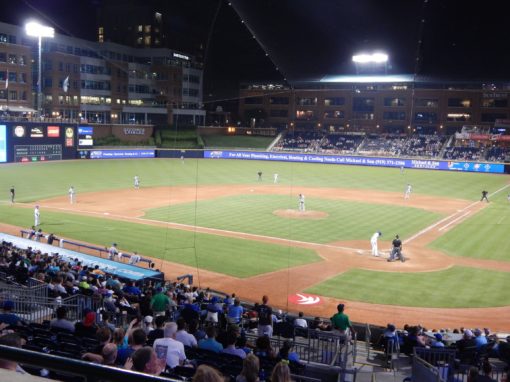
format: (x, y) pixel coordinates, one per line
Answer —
(438, 336)
(148, 319)
(380, 233)
(90, 318)
(477, 332)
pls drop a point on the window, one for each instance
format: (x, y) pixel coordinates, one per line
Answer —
(334, 101)
(60, 66)
(305, 115)
(13, 95)
(363, 116)
(279, 100)
(363, 104)
(427, 102)
(3, 57)
(23, 78)
(3, 75)
(491, 117)
(147, 29)
(140, 28)
(502, 102)
(22, 60)
(459, 102)
(279, 113)
(458, 117)
(48, 82)
(394, 115)
(425, 116)
(12, 59)
(13, 77)
(306, 101)
(147, 40)
(253, 101)
(334, 114)
(394, 102)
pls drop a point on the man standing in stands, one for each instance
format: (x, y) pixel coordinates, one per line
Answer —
(484, 196)
(12, 191)
(265, 312)
(37, 216)
(340, 322)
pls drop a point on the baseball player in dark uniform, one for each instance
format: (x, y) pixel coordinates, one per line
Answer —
(13, 194)
(484, 196)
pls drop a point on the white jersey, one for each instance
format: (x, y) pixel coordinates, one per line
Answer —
(137, 181)
(409, 189)
(374, 237)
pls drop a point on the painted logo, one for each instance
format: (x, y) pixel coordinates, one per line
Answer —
(19, 131)
(304, 299)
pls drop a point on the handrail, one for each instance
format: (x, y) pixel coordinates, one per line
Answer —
(90, 372)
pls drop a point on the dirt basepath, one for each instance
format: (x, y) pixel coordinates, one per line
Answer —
(129, 205)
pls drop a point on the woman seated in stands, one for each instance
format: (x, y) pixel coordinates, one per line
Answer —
(250, 371)
(263, 348)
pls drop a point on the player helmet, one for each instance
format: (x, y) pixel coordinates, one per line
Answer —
(380, 233)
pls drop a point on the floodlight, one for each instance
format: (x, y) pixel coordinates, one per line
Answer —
(365, 58)
(35, 29)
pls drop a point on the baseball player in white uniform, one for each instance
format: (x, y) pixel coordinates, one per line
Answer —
(134, 259)
(373, 243)
(113, 252)
(37, 216)
(137, 182)
(71, 194)
(301, 203)
(407, 194)
(275, 178)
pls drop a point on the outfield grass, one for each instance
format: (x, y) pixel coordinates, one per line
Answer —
(484, 236)
(235, 257)
(457, 287)
(42, 180)
(254, 214)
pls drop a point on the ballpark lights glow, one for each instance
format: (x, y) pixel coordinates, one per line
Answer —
(378, 58)
(35, 29)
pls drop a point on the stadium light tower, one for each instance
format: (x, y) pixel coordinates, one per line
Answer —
(370, 60)
(35, 29)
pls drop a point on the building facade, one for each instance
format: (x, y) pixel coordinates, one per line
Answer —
(387, 104)
(101, 82)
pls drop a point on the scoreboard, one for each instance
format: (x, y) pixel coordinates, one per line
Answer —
(36, 153)
(27, 141)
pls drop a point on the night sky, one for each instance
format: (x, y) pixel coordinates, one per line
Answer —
(307, 39)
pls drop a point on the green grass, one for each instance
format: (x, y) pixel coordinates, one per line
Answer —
(235, 257)
(42, 180)
(236, 141)
(254, 214)
(457, 287)
(484, 236)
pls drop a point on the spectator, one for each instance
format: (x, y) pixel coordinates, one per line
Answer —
(136, 340)
(210, 342)
(87, 327)
(264, 313)
(437, 342)
(281, 373)
(158, 332)
(183, 336)
(61, 321)
(263, 348)
(160, 303)
(148, 324)
(7, 316)
(213, 309)
(235, 312)
(300, 322)
(206, 373)
(340, 322)
(145, 360)
(194, 329)
(169, 348)
(108, 355)
(250, 371)
(480, 339)
(15, 341)
(286, 352)
(231, 346)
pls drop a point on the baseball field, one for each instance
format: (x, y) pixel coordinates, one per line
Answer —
(236, 233)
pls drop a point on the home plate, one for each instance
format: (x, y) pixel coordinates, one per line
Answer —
(106, 213)
(359, 252)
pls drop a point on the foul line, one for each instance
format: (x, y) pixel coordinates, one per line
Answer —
(453, 221)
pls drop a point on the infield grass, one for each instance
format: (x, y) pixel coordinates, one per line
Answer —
(254, 214)
(457, 287)
(235, 257)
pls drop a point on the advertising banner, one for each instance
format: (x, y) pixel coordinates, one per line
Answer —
(121, 154)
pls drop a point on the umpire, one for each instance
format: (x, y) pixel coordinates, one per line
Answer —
(396, 252)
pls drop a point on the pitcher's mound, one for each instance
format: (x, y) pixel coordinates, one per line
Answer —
(295, 214)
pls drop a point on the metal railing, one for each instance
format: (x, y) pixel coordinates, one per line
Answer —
(87, 371)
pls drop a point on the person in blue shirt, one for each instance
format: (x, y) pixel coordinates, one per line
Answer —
(7, 316)
(235, 312)
(210, 342)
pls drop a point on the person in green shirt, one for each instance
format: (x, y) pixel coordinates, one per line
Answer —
(340, 322)
(160, 302)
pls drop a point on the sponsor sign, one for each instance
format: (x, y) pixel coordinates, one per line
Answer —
(304, 299)
(121, 154)
(36, 132)
(85, 130)
(134, 131)
(19, 131)
(428, 164)
(53, 131)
